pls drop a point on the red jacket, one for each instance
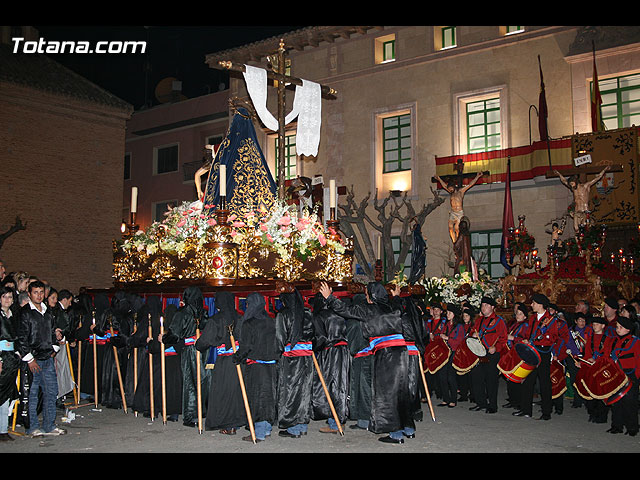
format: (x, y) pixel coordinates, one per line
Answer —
(492, 331)
(594, 346)
(543, 332)
(625, 351)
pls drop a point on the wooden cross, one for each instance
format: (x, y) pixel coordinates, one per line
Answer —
(583, 171)
(281, 84)
(459, 176)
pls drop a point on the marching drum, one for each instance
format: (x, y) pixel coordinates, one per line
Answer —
(604, 380)
(464, 359)
(558, 379)
(475, 345)
(519, 362)
(436, 355)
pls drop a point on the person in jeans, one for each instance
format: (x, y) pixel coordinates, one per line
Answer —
(38, 345)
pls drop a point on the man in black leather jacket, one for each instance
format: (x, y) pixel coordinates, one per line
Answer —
(38, 344)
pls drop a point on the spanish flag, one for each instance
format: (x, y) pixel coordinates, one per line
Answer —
(597, 125)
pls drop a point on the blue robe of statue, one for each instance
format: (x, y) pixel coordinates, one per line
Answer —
(250, 185)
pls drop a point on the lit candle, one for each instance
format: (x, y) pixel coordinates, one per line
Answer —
(332, 193)
(134, 199)
(223, 180)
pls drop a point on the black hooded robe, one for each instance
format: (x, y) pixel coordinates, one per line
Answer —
(334, 360)
(414, 334)
(182, 334)
(225, 409)
(382, 325)
(361, 367)
(258, 353)
(294, 342)
(84, 334)
(173, 373)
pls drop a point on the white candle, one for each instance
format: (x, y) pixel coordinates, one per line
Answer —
(134, 199)
(379, 247)
(332, 193)
(223, 180)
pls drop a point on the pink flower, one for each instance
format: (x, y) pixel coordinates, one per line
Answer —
(286, 220)
(322, 240)
(302, 223)
(233, 217)
(211, 221)
(181, 223)
(269, 237)
(286, 234)
(239, 224)
(264, 227)
(201, 215)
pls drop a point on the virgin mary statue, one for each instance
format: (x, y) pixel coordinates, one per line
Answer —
(249, 183)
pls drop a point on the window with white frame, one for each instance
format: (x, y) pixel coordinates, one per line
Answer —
(620, 101)
(480, 120)
(290, 170)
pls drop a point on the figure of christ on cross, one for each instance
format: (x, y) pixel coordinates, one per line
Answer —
(580, 192)
(456, 197)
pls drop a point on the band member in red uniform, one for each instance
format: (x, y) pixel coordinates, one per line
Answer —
(624, 349)
(491, 329)
(594, 348)
(542, 335)
(560, 352)
(516, 328)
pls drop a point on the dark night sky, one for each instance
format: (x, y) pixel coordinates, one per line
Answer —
(172, 51)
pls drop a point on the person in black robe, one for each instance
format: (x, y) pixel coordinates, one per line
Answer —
(225, 409)
(257, 352)
(334, 360)
(294, 342)
(182, 335)
(85, 334)
(382, 324)
(150, 344)
(414, 333)
(119, 319)
(361, 369)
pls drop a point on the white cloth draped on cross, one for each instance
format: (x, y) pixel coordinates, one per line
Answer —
(306, 107)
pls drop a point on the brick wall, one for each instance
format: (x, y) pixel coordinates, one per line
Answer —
(62, 167)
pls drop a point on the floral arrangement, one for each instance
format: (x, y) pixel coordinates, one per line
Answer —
(460, 288)
(284, 228)
(186, 225)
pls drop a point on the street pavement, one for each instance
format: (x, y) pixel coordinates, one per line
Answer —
(455, 430)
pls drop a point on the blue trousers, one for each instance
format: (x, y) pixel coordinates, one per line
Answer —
(47, 381)
(262, 429)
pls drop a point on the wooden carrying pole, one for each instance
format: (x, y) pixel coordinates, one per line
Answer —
(115, 357)
(75, 393)
(151, 375)
(163, 372)
(135, 358)
(426, 390)
(326, 392)
(199, 378)
(95, 365)
(244, 392)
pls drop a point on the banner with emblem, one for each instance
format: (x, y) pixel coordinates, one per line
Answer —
(615, 198)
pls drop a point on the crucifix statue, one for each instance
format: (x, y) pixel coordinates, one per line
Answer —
(576, 181)
(282, 82)
(453, 184)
